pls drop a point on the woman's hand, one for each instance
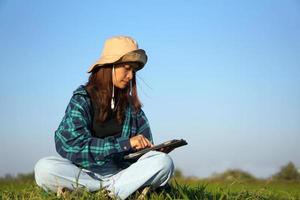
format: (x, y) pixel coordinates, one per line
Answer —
(140, 142)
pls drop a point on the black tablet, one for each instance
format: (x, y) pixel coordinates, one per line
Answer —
(171, 143)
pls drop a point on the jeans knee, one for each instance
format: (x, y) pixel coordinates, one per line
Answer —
(165, 163)
(42, 171)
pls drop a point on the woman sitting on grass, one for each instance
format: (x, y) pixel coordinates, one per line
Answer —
(102, 123)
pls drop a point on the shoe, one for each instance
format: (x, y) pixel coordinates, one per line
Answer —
(61, 192)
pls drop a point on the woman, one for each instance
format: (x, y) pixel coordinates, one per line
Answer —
(102, 123)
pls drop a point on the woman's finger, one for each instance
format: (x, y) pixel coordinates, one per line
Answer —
(142, 142)
(149, 144)
(145, 142)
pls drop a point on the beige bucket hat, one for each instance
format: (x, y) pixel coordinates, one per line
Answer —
(120, 49)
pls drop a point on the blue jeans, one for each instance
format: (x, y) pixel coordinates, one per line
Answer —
(152, 169)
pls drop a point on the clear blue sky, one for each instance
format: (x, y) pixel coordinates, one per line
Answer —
(224, 75)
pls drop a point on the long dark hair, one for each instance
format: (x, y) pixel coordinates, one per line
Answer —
(99, 87)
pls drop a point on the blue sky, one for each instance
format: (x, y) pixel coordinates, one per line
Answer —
(224, 75)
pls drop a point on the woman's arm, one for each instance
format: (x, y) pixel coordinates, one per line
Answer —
(143, 126)
(74, 141)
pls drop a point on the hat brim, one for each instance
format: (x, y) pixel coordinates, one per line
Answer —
(138, 55)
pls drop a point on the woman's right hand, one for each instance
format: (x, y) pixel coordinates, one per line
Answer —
(140, 142)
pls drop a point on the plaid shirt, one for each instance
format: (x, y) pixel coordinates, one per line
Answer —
(74, 140)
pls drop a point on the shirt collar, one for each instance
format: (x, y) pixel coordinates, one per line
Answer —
(80, 90)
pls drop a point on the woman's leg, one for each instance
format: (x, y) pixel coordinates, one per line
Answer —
(53, 172)
(152, 169)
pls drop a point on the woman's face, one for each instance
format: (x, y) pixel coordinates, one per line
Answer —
(123, 74)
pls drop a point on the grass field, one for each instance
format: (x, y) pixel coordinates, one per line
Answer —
(181, 188)
(258, 189)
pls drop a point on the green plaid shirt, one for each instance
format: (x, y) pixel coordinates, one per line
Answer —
(74, 140)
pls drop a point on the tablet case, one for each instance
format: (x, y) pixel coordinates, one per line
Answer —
(171, 143)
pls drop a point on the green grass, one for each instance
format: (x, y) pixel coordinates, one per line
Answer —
(180, 189)
(260, 189)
